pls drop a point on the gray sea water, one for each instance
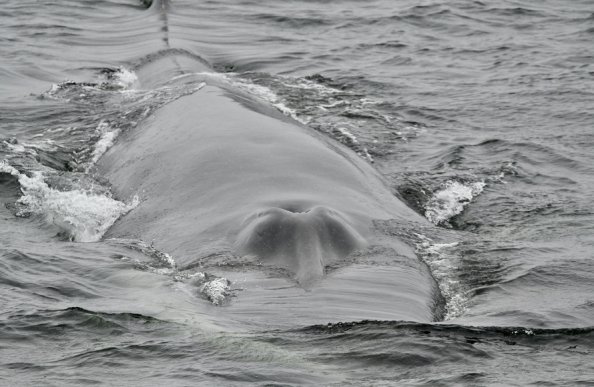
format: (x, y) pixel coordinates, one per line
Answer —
(478, 115)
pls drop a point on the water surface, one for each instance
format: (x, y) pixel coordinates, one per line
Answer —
(477, 114)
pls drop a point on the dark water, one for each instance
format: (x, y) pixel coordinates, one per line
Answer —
(478, 114)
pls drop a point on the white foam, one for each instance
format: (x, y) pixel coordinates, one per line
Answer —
(83, 216)
(301, 83)
(508, 168)
(215, 290)
(333, 104)
(196, 277)
(287, 111)
(266, 94)
(362, 151)
(125, 78)
(442, 264)
(16, 148)
(5, 167)
(451, 200)
(162, 263)
(348, 134)
(107, 136)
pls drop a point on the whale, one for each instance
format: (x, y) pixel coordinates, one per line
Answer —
(228, 183)
(219, 173)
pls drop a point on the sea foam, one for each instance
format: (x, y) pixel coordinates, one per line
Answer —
(451, 200)
(81, 215)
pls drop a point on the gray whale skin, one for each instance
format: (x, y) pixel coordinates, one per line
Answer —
(217, 170)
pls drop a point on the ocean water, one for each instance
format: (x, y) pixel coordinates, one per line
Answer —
(478, 115)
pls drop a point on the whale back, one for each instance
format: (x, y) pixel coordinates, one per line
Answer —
(204, 162)
(217, 171)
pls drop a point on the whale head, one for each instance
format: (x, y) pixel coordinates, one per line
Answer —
(303, 241)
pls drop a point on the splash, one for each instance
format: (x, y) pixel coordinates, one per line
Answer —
(207, 286)
(442, 262)
(215, 290)
(83, 216)
(123, 78)
(120, 79)
(107, 136)
(451, 200)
